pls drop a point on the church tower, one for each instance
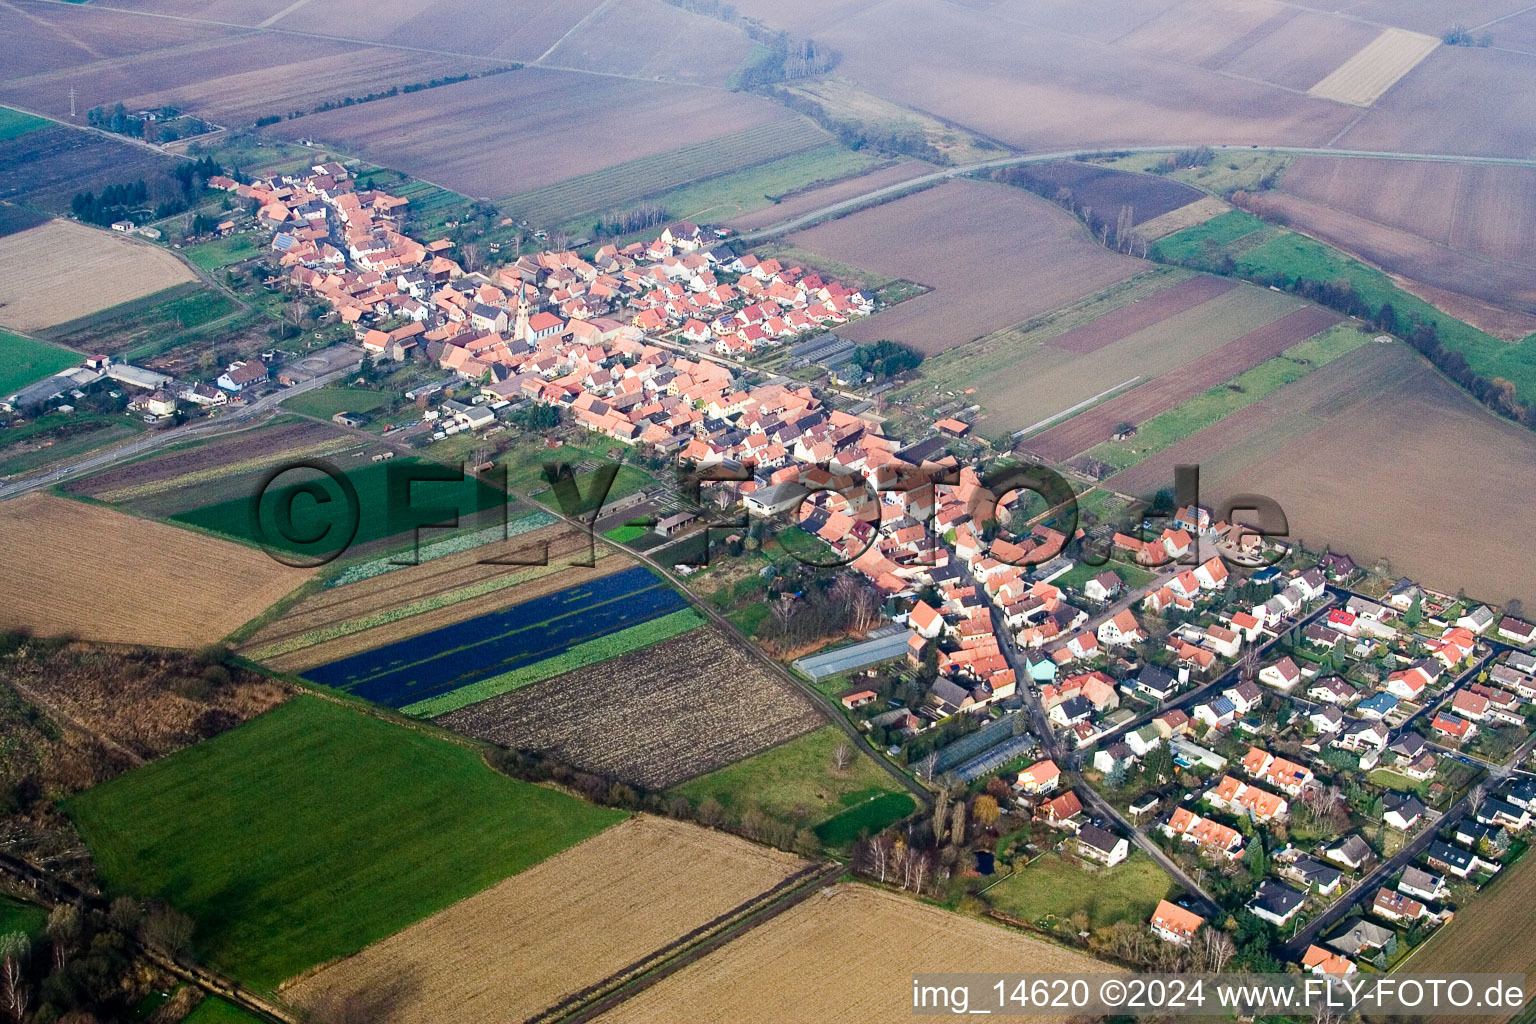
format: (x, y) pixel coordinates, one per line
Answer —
(520, 331)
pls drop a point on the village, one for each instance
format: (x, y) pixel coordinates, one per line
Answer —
(1327, 763)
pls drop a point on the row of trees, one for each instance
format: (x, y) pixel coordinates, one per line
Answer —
(885, 359)
(638, 218)
(898, 138)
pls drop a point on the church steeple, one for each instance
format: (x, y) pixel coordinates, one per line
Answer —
(520, 331)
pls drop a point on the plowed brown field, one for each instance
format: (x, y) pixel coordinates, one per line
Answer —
(103, 575)
(1142, 403)
(847, 955)
(565, 924)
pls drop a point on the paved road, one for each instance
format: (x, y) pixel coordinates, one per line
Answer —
(233, 419)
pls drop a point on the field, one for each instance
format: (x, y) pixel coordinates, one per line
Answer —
(61, 270)
(992, 255)
(1103, 189)
(1052, 888)
(1490, 935)
(1211, 406)
(23, 361)
(522, 30)
(1378, 455)
(729, 197)
(477, 658)
(14, 123)
(1452, 103)
(221, 252)
(1462, 227)
(367, 604)
(705, 703)
(1197, 212)
(44, 169)
(382, 502)
(327, 402)
(86, 570)
(616, 187)
(320, 830)
(568, 124)
(576, 919)
(814, 196)
(1121, 323)
(795, 781)
(155, 319)
(1029, 383)
(843, 101)
(1059, 443)
(654, 40)
(847, 954)
(189, 464)
(1366, 76)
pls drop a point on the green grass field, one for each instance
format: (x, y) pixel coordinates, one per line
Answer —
(221, 252)
(625, 534)
(794, 781)
(612, 188)
(217, 1011)
(315, 830)
(730, 195)
(1223, 400)
(16, 916)
(14, 123)
(383, 510)
(327, 402)
(865, 819)
(1203, 239)
(23, 361)
(1125, 892)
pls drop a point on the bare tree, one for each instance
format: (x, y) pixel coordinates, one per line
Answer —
(957, 822)
(842, 757)
(14, 950)
(1219, 949)
(940, 814)
(168, 930)
(63, 931)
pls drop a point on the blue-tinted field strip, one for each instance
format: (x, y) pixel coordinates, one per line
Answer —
(446, 659)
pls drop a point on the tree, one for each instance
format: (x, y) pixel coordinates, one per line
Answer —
(168, 930)
(806, 844)
(15, 948)
(940, 814)
(710, 812)
(957, 823)
(1415, 613)
(1258, 864)
(985, 810)
(842, 757)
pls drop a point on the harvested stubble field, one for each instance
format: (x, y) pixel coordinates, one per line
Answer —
(653, 717)
(1051, 381)
(1492, 935)
(91, 572)
(568, 124)
(846, 954)
(1144, 401)
(568, 923)
(1378, 455)
(1366, 76)
(993, 256)
(1197, 212)
(61, 270)
(337, 622)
